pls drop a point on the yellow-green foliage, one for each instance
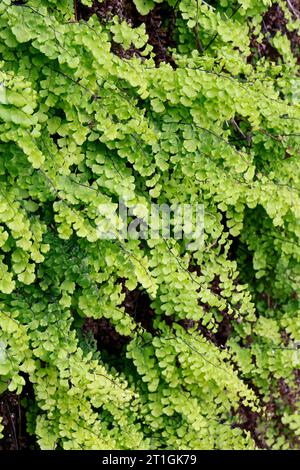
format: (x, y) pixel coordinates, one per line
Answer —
(81, 126)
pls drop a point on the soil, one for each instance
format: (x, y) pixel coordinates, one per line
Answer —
(274, 21)
(159, 24)
(13, 414)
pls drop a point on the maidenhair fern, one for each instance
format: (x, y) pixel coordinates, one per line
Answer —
(82, 126)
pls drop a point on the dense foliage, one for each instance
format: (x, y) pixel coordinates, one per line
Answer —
(142, 344)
